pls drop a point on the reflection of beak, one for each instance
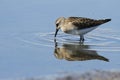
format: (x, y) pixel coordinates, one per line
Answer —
(56, 32)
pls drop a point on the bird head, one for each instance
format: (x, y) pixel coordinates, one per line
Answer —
(59, 23)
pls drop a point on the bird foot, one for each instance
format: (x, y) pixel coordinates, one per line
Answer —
(82, 39)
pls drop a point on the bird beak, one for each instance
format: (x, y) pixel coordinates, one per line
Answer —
(56, 32)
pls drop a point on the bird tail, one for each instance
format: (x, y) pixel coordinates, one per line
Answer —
(103, 58)
(105, 20)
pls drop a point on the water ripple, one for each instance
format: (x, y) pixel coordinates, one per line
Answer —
(100, 40)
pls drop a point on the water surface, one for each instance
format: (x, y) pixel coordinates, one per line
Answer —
(27, 38)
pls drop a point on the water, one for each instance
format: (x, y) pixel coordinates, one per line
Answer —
(27, 38)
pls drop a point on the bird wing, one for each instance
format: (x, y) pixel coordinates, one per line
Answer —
(82, 23)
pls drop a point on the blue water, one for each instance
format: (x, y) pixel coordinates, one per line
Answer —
(27, 46)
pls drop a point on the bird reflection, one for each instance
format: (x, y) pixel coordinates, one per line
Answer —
(76, 52)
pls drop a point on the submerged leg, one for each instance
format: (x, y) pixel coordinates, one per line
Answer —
(82, 38)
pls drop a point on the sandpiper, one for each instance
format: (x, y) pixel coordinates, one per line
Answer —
(78, 25)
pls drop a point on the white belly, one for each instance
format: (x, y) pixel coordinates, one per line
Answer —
(81, 32)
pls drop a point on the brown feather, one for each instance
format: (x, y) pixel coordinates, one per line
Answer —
(82, 23)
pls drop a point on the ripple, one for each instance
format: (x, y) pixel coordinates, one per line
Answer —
(100, 40)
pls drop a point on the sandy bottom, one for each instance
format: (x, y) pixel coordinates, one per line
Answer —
(91, 75)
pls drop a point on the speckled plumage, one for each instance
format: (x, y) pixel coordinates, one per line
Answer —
(78, 25)
(82, 23)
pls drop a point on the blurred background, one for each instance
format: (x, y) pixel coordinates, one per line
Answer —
(26, 25)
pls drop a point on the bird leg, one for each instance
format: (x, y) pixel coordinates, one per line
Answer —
(82, 38)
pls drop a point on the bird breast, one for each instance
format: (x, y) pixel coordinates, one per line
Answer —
(67, 27)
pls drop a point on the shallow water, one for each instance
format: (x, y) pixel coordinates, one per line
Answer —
(27, 38)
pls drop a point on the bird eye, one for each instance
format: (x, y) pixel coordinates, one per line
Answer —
(57, 24)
